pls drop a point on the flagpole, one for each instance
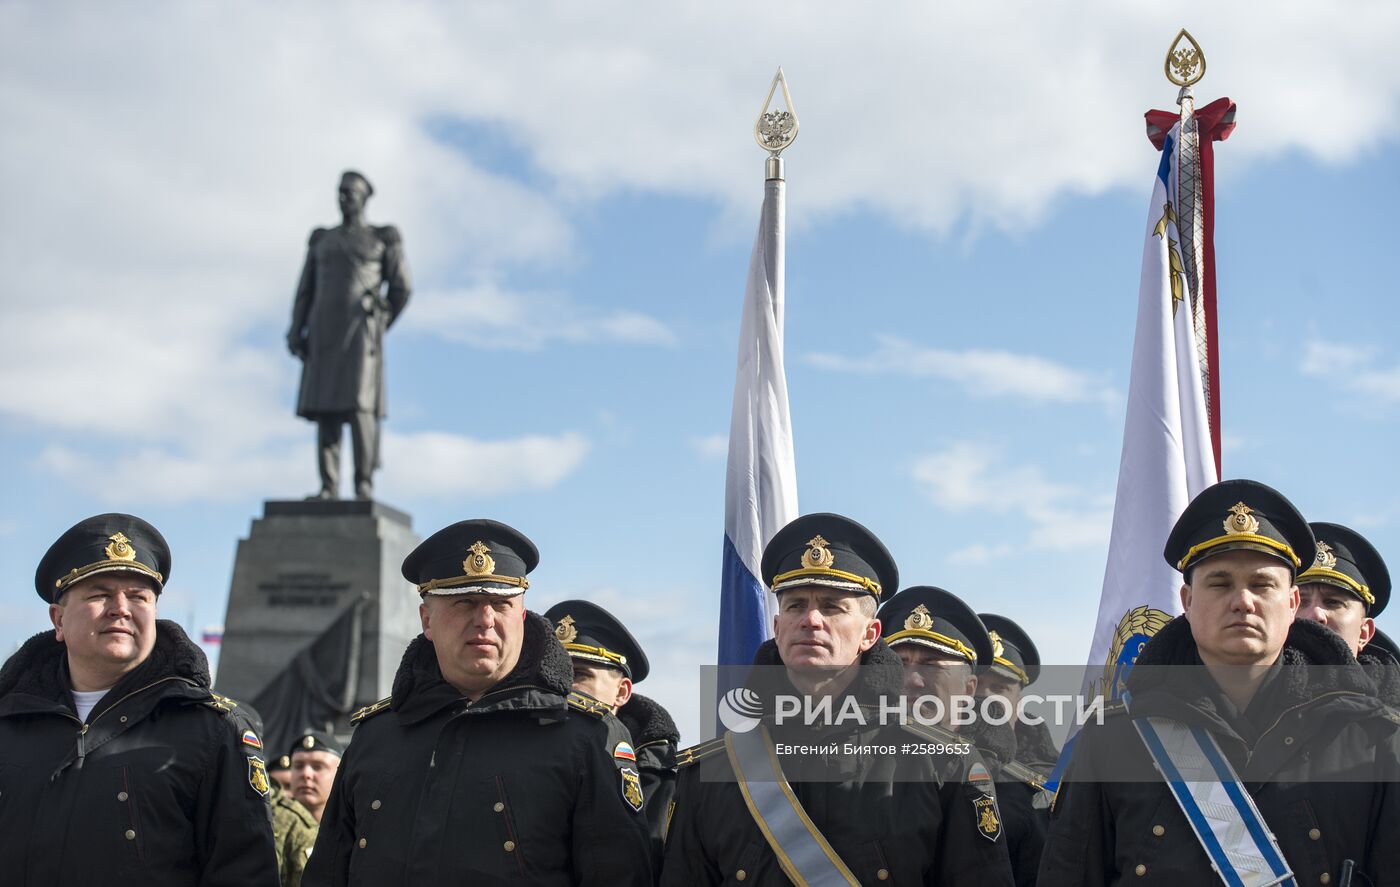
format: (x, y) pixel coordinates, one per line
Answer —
(761, 477)
(1184, 66)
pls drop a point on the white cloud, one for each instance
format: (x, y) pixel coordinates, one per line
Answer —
(419, 465)
(1354, 367)
(165, 163)
(981, 373)
(487, 316)
(430, 464)
(711, 446)
(967, 477)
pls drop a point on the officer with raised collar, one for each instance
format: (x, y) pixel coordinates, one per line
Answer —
(118, 764)
(1346, 586)
(608, 662)
(479, 768)
(1282, 762)
(745, 813)
(1021, 775)
(945, 649)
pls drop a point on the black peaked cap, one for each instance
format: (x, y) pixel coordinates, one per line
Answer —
(1345, 559)
(103, 543)
(472, 557)
(317, 740)
(829, 551)
(1236, 515)
(1015, 655)
(938, 619)
(593, 635)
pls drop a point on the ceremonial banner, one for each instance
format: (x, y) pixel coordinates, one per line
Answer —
(760, 489)
(1168, 455)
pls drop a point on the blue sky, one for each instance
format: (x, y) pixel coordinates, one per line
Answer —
(965, 203)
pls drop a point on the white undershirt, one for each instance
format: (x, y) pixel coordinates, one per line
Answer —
(84, 700)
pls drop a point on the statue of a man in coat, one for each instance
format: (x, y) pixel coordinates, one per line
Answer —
(353, 287)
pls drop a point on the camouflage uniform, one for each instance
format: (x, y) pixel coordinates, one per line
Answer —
(294, 833)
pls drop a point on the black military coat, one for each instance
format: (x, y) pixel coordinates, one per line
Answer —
(159, 787)
(1023, 802)
(517, 787)
(654, 738)
(1306, 725)
(893, 819)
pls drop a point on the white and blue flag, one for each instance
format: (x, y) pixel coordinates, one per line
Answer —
(760, 488)
(1167, 456)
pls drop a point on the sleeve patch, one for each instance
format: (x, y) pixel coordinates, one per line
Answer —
(257, 776)
(624, 752)
(988, 817)
(251, 739)
(631, 788)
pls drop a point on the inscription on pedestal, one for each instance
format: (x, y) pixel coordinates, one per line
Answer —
(303, 590)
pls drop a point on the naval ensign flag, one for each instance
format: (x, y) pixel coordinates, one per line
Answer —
(760, 488)
(1167, 454)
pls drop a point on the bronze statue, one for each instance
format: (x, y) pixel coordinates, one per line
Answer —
(353, 287)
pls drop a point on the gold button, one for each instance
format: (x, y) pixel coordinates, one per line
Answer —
(375, 805)
(130, 835)
(1158, 830)
(121, 796)
(498, 806)
(1326, 878)
(123, 719)
(1140, 870)
(509, 845)
(1314, 833)
(740, 875)
(363, 842)
(883, 874)
(1288, 740)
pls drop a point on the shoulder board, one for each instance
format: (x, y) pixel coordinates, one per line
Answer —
(1390, 713)
(588, 705)
(1021, 773)
(1114, 708)
(934, 732)
(221, 703)
(389, 234)
(697, 753)
(370, 711)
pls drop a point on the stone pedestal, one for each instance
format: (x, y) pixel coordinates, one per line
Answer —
(301, 566)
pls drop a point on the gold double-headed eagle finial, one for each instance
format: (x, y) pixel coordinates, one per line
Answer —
(1186, 61)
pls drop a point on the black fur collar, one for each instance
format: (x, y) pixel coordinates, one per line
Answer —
(1035, 745)
(647, 721)
(881, 674)
(543, 663)
(998, 740)
(1308, 644)
(1384, 672)
(40, 667)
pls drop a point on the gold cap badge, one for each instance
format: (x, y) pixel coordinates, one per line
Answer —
(308, 742)
(1241, 521)
(1326, 558)
(479, 563)
(818, 556)
(919, 620)
(120, 549)
(997, 648)
(565, 630)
